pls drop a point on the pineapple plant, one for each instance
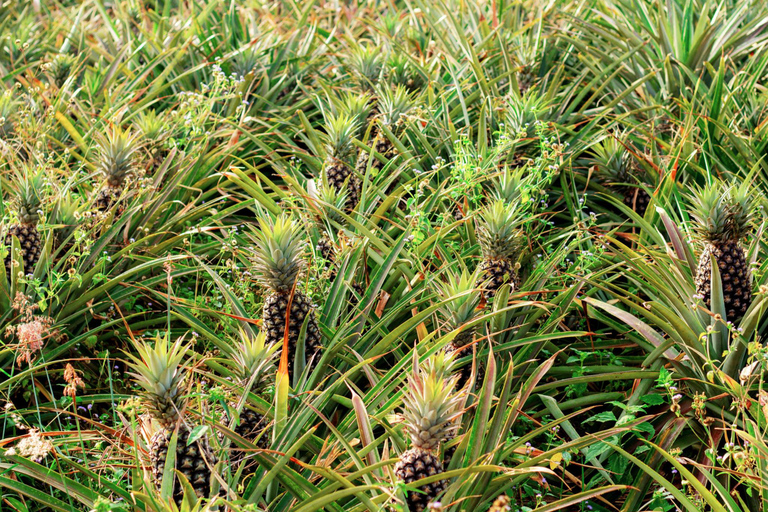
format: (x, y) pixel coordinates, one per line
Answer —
(394, 105)
(116, 159)
(460, 300)
(430, 409)
(723, 216)
(27, 205)
(620, 171)
(159, 369)
(501, 239)
(278, 264)
(340, 130)
(254, 363)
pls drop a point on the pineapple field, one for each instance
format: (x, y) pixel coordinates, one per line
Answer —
(369, 255)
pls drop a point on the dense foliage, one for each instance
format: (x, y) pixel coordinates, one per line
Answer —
(458, 255)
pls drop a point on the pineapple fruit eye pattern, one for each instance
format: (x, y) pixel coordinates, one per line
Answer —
(425, 257)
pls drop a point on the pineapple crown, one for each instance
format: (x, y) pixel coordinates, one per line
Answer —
(158, 370)
(612, 161)
(460, 297)
(509, 186)
(401, 71)
(328, 201)
(66, 213)
(117, 155)
(151, 125)
(254, 359)
(278, 253)
(722, 212)
(523, 113)
(431, 403)
(526, 52)
(498, 231)
(366, 63)
(60, 67)
(357, 107)
(340, 129)
(29, 198)
(394, 104)
(741, 210)
(247, 60)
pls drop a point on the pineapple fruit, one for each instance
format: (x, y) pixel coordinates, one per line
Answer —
(340, 130)
(254, 363)
(620, 171)
(723, 216)
(430, 409)
(159, 370)
(28, 203)
(278, 265)
(116, 161)
(501, 239)
(460, 299)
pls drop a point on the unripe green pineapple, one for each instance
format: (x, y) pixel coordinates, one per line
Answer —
(254, 365)
(116, 161)
(27, 204)
(723, 216)
(430, 409)
(501, 240)
(278, 264)
(159, 369)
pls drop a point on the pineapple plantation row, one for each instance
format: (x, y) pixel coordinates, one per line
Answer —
(407, 256)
